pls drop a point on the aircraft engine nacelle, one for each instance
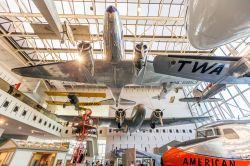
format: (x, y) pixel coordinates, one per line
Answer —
(139, 52)
(86, 53)
(120, 115)
(156, 117)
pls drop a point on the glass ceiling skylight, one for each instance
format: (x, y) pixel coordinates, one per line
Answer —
(157, 23)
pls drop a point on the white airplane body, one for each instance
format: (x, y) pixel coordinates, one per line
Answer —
(221, 143)
(217, 22)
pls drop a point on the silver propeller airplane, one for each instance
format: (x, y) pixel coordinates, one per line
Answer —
(113, 71)
(138, 120)
(217, 70)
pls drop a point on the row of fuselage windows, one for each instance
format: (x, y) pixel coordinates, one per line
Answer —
(155, 131)
(24, 113)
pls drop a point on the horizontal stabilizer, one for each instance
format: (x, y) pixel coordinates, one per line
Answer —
(126, 102)
(198, 99)
(108, 102)
(158, 97)
(64, 71)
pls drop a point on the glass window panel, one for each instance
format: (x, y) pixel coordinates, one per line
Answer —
(79, 8)
(132, 9)
(226, 94)
(242, 104)
(88, 7)
(174, 10)
(243, 87)
(153, 10)
(122, 8)
(13, 6)
(100, 8)
(59, 7)
(233, 90)
(144, 9)
(66, 8)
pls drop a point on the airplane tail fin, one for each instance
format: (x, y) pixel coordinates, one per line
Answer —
(110, 101)
(199, 99)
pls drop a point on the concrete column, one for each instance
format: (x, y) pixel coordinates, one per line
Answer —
(1, 131)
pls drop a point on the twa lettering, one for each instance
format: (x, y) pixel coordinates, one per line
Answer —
(202, 68)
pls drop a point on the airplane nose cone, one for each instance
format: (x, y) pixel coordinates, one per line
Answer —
(111, 9)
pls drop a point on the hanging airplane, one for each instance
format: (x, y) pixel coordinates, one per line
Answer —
(73, 99)
(217, 70)
(113, 71)
(223, 143)
(138, 120)
(213, 23)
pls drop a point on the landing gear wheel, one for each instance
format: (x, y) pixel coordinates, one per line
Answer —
(152, 125)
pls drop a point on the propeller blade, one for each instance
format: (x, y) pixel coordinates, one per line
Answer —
(161, 122)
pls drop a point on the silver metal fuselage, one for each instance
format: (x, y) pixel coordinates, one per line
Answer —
(114, 71)
(113, 43)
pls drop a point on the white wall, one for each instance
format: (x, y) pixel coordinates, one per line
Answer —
(140, 140)
(28, 118)
(21, 157)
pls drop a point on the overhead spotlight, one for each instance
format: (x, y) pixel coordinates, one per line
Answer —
(19, 128)
(6, 124)
(79, 59)
(1, 121)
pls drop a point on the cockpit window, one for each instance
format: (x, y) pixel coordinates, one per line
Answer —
(200, 134)
(230, 134)
(209, 133)
(205, 133)
(217, 131)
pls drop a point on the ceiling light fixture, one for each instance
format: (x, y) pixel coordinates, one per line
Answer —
(19, 128)
(79, 59)
(1, 121)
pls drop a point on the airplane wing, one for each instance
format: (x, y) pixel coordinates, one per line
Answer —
(69, 104)
(201, 68)
(63, 71)
(148, 77)
(174, 121)
(78, 94)
(199, 99)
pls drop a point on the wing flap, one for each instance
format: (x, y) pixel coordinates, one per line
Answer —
(202, 68)
(64, 71)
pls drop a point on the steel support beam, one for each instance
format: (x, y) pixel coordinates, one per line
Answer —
(48, 10)
(83, 16)
(99, 51)
(181, 39)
